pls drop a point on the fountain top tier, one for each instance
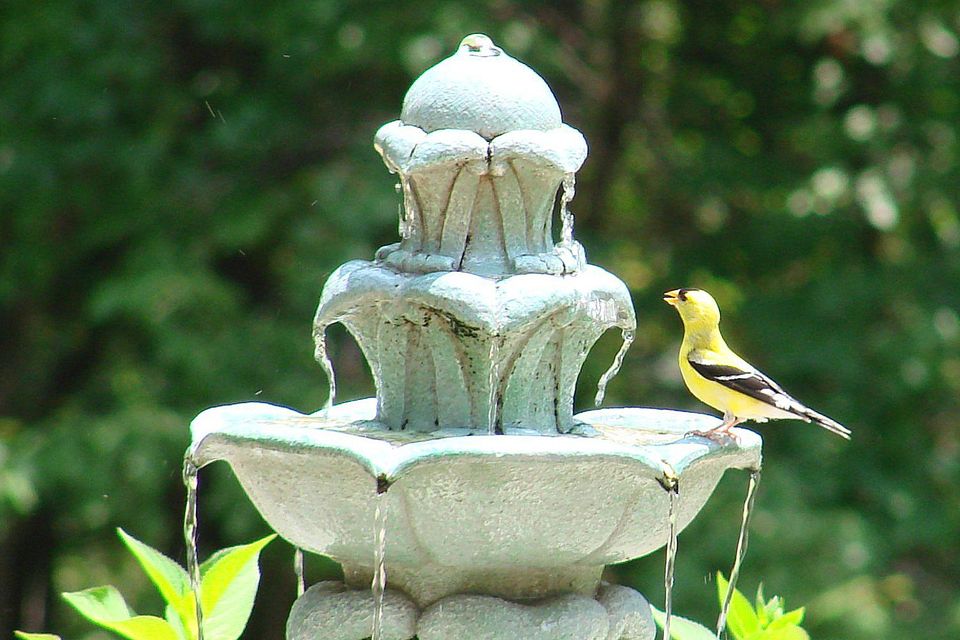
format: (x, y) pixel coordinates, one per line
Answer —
(477, 319)
(481, 152)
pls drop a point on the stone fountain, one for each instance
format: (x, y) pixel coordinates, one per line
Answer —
(468, 493)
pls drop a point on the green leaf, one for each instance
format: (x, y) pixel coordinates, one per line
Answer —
(682, 628)
(105, 606)
(169, 577)
(228, 587)
(23, 635)
(760, 606)
(742, 620)
(171, 615)
(790, 618)
(102, 603)
(787, 633)
(772, 610)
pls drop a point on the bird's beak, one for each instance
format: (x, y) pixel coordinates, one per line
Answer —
(672, 298)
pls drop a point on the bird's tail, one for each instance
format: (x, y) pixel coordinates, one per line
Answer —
(821, 420)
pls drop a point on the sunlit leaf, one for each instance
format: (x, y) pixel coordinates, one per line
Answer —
(102, 603)
(742, 620)
(228, 588)
(171, 615)
(789, 618)
(787, 633)
(682, 628)
(771, 610)
(105, 606)
(169, 577)
(761, 608)
(22, 635)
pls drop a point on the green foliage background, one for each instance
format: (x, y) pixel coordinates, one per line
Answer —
(178, 179)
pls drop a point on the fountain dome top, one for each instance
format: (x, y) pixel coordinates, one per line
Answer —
(481, 89)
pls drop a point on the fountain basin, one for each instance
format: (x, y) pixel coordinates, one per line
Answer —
(515, 516)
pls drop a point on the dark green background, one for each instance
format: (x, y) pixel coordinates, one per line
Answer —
(177, 180)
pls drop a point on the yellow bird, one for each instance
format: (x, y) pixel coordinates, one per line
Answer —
(725, 381)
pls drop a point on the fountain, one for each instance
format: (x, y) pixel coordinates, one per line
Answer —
(467, 500)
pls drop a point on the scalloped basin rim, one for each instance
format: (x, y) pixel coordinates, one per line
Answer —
(498, 306)
(273, 427)
(408, 148)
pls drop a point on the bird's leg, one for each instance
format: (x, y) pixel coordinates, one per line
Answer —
(721, 431)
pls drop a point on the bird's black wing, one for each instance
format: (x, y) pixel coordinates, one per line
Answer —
(750, 383)
(758, 386)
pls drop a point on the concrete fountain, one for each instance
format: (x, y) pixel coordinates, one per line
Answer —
(468, 500)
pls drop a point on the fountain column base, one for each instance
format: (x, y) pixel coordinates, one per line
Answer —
(331, 611)
(428, 583)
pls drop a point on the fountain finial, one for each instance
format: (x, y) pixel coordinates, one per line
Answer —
(479, 44)
(480, 89)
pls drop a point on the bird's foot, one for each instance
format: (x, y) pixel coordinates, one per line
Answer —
(719, 435)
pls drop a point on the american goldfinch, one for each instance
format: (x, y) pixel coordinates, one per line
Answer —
(724, 380)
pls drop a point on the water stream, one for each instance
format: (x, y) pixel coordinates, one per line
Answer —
(741, 549)
(298, 571)
(672, 485)
(190, 480)
(407, 210)
(494, 383)
(401, 219)
(566, 216)
(379, 583)
(321, 356)
(628, 337)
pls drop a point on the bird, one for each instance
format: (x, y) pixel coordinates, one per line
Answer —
(720, 378)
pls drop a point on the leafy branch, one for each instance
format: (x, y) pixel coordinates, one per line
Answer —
(763, 620)
(228, 587)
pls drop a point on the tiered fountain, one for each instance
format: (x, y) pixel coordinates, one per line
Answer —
(468, 493)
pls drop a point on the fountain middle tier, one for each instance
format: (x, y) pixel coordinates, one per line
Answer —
(460, 351)
(518, 517)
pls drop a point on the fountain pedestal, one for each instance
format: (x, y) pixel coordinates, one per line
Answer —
(492, 507)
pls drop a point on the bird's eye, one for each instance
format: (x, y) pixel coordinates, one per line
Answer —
(682, 294)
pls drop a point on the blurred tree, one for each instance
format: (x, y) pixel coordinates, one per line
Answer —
(177, 180)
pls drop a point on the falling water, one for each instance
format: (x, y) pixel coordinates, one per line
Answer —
(741, 549)
(672, 485)
(628, 336)
(379, 584)
(190, 480)
(566, 216)
(494, 383)
(321, 356)
(402, 222)
(407, 210)
(298, 571)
